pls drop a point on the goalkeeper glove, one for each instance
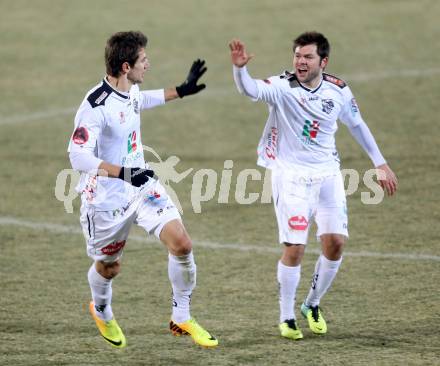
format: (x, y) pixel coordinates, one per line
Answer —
(136, 176)
(189, 86)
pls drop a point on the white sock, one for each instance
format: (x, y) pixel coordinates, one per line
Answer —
(325, 273)
(288, 279)
(182, 273)
(101, 294)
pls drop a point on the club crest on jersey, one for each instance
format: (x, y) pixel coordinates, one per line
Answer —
(136, 106)
(80, 136)
(327, 105)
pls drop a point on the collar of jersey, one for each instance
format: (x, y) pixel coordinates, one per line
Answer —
(311, 90)
(118, 93)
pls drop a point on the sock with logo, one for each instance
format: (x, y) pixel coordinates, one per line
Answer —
(182, 274)
(325, 273)
(101, 294)
(288, 279)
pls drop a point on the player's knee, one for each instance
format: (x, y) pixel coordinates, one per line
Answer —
(336, 244)
(183, 245)
(108, 270)
(292, 254)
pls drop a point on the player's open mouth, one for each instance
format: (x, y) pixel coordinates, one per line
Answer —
(301, 72)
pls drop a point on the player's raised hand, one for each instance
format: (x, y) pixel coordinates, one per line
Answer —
(189, 86)
(387, 179)
(239, 56)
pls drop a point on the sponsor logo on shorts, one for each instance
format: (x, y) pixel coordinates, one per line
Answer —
(298, 223)
(113, 248)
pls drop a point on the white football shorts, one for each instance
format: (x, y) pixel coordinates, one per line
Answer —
(298, 200)
(106, 232)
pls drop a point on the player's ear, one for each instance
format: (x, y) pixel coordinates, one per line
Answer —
(324, 62)
(125, 68)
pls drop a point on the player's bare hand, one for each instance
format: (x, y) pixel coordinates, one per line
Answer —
(387, 179)
(239, 56)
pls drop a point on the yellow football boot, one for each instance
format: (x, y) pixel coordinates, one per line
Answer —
(314, 316)
(290, 330)
(197, 333)
(110, 330)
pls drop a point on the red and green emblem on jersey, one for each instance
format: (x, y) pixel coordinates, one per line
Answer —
(80, 136)
(310, 131)
(132, 146)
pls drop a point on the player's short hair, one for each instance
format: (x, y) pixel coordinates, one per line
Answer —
(123, 47)
(322, 45)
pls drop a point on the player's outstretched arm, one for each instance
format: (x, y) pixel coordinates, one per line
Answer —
(189, 86)
(239, 55)
(239, 58)
(387, 179)
(88, 163)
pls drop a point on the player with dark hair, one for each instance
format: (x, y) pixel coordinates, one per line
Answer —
(298, 145)
(118, 189)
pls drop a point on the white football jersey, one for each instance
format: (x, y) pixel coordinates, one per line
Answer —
(300, 130)
(107, 124)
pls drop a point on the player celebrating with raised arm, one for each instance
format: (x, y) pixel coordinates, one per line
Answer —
(118, 188)
(298, 145)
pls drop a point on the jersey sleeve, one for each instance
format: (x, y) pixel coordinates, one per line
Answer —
(244, 83)
(151, 98)
(88, 127)
(350, 114)
(269, 90)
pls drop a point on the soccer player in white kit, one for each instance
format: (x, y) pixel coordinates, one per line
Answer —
(298, 145)
(118, 189)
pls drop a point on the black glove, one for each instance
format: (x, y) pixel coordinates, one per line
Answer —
(189, 86)
(135, 176)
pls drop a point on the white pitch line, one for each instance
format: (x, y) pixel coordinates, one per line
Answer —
(216, 92)
(65, 229)
(38, 116)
